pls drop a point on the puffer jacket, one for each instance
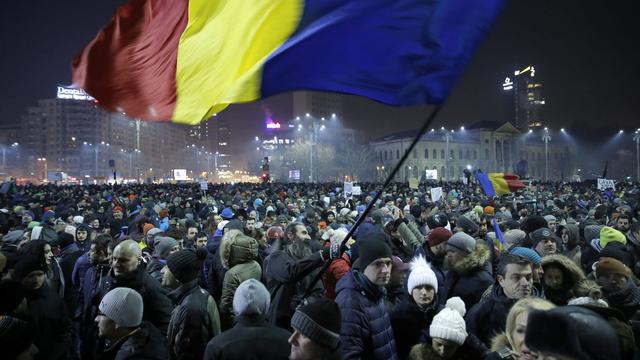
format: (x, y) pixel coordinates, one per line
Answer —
(238, 254)
(338, 268)
(572, 275)
(194, 321)
(489, 317)
(144, 343)
(366, 331)
(409, 236)
(411, 324)
(469, 277)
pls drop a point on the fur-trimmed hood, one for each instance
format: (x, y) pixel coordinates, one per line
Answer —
(569, 267)
(500, 342)
(238, 250)
(473, 262)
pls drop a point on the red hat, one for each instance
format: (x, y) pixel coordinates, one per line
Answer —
(117, 208)
(438, 236)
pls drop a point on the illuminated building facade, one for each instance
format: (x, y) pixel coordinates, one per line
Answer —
(528, 102)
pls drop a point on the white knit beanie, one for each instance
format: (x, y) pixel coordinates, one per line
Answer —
(123, 306)
(421, 274)
(448, 324)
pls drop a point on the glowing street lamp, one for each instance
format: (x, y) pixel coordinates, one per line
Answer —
(636, 138)
(546, 138)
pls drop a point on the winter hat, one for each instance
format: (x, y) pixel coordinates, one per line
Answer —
(489, 210)
(234, 224)
(30, 213)
(251, 298)
(28, 264)
(146, 228)
(421, 274)
(153, 232)
(162, 245)
(529, 254)
(609, 234)
(15, 336)
(397, 265)
(275, 232)
(607, 265)
(592, 232)
(540, 235)
(549, 218)
(438, 236)
(12, 295)
(514, 236)
(185, 265)
(467, 225)
(461, 242)
(49, 215)
(70, 229)
(319, 321)
(13, 237)
(588, 301)
(65, 239)
(572, 331)
(449, 324)
(533, 223)
(371, 249)
(78, 219)
(124, 306)
(227, 214)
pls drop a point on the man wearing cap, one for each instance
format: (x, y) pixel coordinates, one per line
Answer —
(366, 331)
(544, 241)
(435, 251)
(469, 267)
(316, 331)
(195, 319)
(127, 336)
(289, 271)
(252, 337)
(618, 287)
(163, 246)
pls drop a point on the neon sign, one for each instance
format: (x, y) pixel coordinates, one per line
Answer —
(73, 94)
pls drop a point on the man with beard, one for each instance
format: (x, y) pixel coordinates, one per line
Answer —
(249, 227)
(618, 286)
(289, 271)
(513, 282)
(435, 250)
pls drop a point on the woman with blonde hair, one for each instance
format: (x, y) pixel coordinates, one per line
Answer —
(510, 344)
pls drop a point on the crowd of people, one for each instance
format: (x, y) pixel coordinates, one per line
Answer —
(266, 271)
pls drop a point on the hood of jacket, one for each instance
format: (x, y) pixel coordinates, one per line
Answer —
(574, 235)
(473, 262)
(238, 250)
(569, 268)
(500, 342)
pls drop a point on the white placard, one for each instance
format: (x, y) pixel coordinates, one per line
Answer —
(436, 194)
(604, 184)
(204, 186)
(348, 190)
(357, 190)
(431, 174)
(180, 174)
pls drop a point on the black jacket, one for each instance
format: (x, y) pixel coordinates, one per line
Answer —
(488, 318)
(470, 277)
(252, 338)
(51, 327)
(287, 279)
(194, 321)
(411, 325)
(145, 343)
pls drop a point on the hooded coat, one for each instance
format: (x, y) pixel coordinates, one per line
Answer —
(501, 349)
(572, 275)
(489, 317)
(366, 331)
(238, 254)
(144, 343)
(49, 321)
(572, 249)
(469, 277)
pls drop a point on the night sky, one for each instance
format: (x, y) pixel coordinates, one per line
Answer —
(585, 53)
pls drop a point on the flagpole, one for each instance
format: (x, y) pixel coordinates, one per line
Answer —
(389, 179)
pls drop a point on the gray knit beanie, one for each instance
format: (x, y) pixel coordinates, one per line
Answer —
(251, 298)
(123, 306)
(461, 242)
(162, 245)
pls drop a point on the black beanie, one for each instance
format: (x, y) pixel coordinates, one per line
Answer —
(15, 337)
(185, 265)
(65, 240)
(319, 321)
(28, 264)
(371, 249)
(533, 223)
(12, 295)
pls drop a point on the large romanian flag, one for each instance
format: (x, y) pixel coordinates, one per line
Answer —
(184, 60)
(498, 183)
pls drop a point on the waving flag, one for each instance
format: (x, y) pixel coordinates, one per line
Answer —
(498, 183)
(184, 60)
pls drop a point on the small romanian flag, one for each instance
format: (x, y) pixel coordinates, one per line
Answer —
(498, 183)
(184, 60)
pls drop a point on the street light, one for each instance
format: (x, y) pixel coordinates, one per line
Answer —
(636, 138)
(546, 138)
(46, 170)
(446, 136)
(4, 154)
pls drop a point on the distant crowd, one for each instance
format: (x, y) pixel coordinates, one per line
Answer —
(265, 271)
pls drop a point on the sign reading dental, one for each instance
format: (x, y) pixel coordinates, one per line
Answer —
(73, 94)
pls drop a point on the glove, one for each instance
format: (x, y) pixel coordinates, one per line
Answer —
(334, 251)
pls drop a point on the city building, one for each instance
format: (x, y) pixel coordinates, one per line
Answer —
(318, 104)
(223, 150)
(487, 145)
(525, 99)
(71, 135)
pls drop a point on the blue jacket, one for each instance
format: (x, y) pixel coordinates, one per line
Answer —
(366, 331)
